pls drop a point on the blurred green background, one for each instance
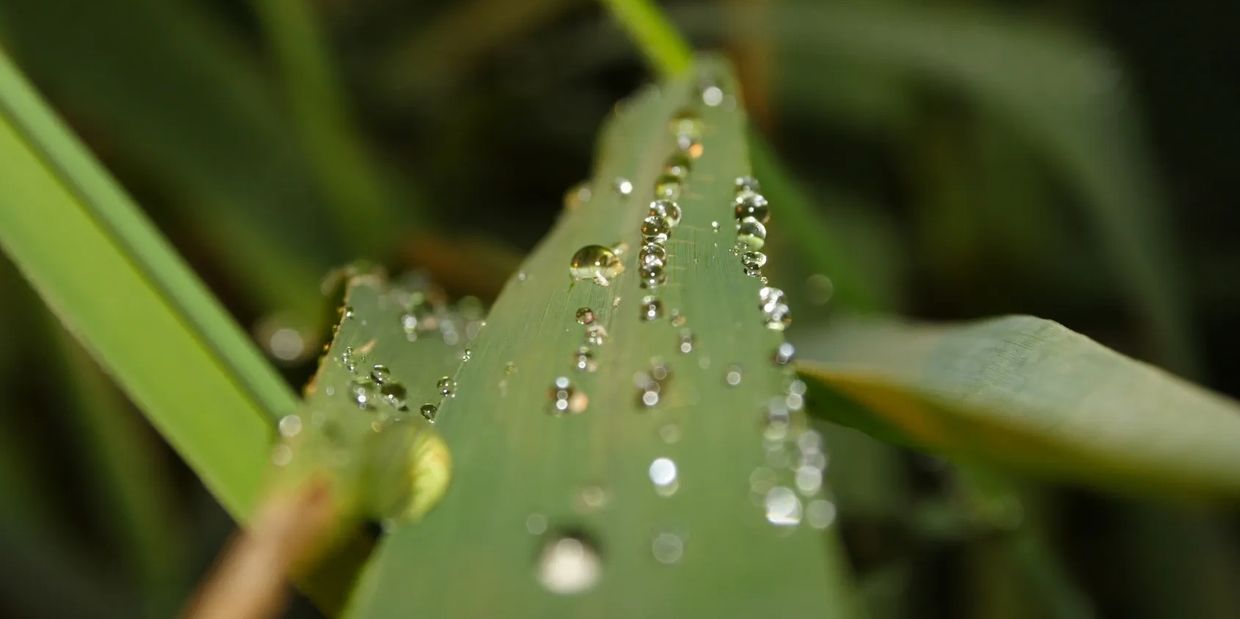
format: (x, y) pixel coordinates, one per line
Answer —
(1070, 159)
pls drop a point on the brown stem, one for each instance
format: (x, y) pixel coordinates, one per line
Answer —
(251, 578)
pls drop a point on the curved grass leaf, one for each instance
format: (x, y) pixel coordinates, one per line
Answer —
(524, 477)
(1031, 394)
(117, 285)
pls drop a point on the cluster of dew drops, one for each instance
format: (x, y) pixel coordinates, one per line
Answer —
(788, 486)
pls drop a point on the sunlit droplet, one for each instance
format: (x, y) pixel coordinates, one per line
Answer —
(654, 229)
(784, 354)
(664, 476)
(569, 565)
(751, 204)
(623, 186)
(595, 263)
(750, 234)
(446, 386)
(667, 210)
(783, 508)
(712, 96)
(429, 411)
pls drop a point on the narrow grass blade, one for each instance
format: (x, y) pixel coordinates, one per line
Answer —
(118, 286)
(1029, 393)
(547, 479)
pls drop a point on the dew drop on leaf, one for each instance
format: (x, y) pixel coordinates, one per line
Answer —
(595, 263)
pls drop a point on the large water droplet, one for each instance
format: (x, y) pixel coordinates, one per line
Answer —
(667, 548)
(569, 565)
(751, 204)
(585, 315)
(429, 411)
(595, 263)
(784, 354)
(394, 394)
(667, 187)
(446, 387)
(750, 234)
(654, 229)
(651, 308)
(666, 210)
(753, 261)
(783, 508)
(664, 476)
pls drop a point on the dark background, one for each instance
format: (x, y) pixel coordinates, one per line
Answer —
(473, 117)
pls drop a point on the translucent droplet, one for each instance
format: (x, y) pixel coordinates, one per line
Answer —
(360, 392)
(566, 399)
(820, 513)
(808, 479)
(751, 204)
(733, 375)
(777, 316)
(783, 508)
(651, 308)
(664, 476)
(446, 387)
(394, 394)
(536, 524)
(347, 359)
(429, 411)
(687, 341)
(290, 426)
(750, 234)
(585, 315)
(769, 295)
(714, 226)
(584, 361)
(409, 324)
(648, 390)
(746, 184)
(347, 312)
(667, 187)
(677, 166)
(667, 548)
(522, 276)
(569, 565)
(577, 195)
(686, 123)
(380, 373)
(466, 355)
(654, 229)
(712, 96)
(595, 263)
(753, 259)
(651, 275)
(623, 186)
(666, 210)
(784, 354)
(596, 335)
(651, 260)
(652, 251)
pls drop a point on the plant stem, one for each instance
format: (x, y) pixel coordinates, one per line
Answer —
(664, 47)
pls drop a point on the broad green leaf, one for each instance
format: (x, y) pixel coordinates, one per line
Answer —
(118, 286)
(1028, 393)
(538, 494)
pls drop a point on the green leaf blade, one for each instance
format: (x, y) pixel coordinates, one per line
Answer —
(1029, 393)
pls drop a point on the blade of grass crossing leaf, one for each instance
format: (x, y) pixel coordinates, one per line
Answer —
(109, 276)
(664, 48)
(1028, 393)
(527, 480)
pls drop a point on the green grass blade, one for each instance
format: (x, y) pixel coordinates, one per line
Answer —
(662, 45)
(118, 286)
(522, 476)
(1031, 394)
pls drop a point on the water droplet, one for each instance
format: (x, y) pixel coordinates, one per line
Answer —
(394, 394)
(753, 261)
(596, 335)
(585, 315)
(750, 234)
(714, 226)
(651, 308)
(651, 252)
(775, 311)
(654, 229)
(360, 391)
(569, 565)
(466, 355)
(409, 324)
(666, 210)
(623, 186)
(667, 548)
(733, 375)
(820, 513)
(687, 341)
(522, 276)
(290, 426)
(784, 354)
(347, 359)
(566, 399)
(446, 387)
(746, 184)
(584, 361)
(429, 411)
(651, 275)
(667, 187)
(380, 373)
(577, 195)
(712, 96)
(686, 122)
(751, 204)
(347, 312)
(536, 524)
(648, 390)
(783, 508)
(595, 263)
(650, 259)
(281, 455)
(808, 479)
(677, 166)
(677, 318)
(510, 368)
(664, 476)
